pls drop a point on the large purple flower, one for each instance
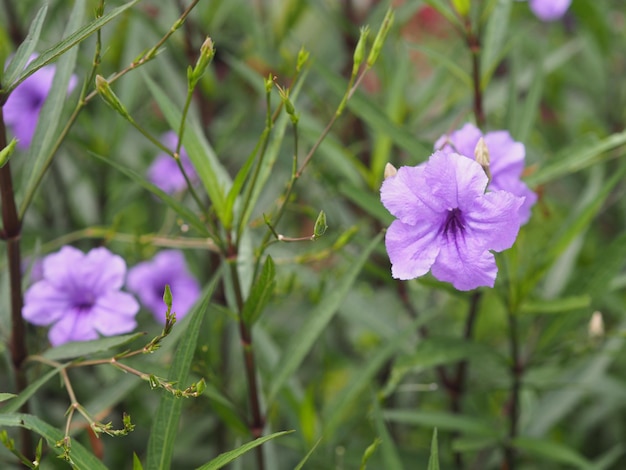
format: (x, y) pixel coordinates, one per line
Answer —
(506, 160)
(549, 10)
(446, 223)
(148, 280)
(21, 111)
(80, 296)
(164, 172)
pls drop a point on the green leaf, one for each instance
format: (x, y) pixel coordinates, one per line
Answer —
(303, 341)
(433, 461)
(556, 306)
(390, 455)
(369, 452)
(442, 420)
(260, 293)
(5, 397)
(137, 463)
(443, 7)
(183, 211)
(551, 451)
(165, 425)
(227, 457)
(307, 456)
(496, 30)
(227, 411)
(575, 159)
(214, 177)
(49, 55)
(81, 457)
(15, 404)
(20, 59)
(86, 348)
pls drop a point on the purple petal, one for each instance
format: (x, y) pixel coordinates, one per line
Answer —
(549, 10)
(406, 197)
(114, 313)
(454, 180)
(506, 155)
(465, 273)
(44, 303)
(58, 268)
(462, 141)
(73, 326)
(102, 271)
(493, 220)
(412, 249)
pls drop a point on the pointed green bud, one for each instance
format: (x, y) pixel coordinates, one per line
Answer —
(303, 58)
(7, 151)
(390, 171)
(359, 50)
(167, 296)
(291, 111)
(104, 90)
(320, 225)
(269, 83)
(380, 38)
(207, 52)
(462, 7)
(153, 381)
(200, 387)
(481, 153)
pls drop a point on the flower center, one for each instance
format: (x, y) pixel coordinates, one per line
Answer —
(85, 302)
(454, 225)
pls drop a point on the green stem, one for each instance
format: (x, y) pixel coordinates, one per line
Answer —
(516, 379)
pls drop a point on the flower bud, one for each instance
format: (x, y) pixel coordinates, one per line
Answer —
(320, 225)
(303, 58)
(359, 50)
(462, 7)
(104, 90)
(390, 171)
(7, 151)
(207, 52)
(596, 325)
(481, 153)
(380, 38)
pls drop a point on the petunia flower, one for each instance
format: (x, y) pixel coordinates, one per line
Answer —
(164, 172)
(22, 108)
(80, 296)
(506, 160)
(549, 10)
(149, 278)
(446, 223)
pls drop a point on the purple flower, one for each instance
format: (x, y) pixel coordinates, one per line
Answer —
(165, 174)
(21, 111)
(80, 296)
(148, 280)
(549, 10)
(506, 160)
(446, 223)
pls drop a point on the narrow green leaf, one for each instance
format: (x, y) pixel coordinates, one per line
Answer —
(556, 306)
(572, 160)
(368, 201)
(137, 463)
(495, 38)
(82, 458)
(183, 211)
(6, 396)
(227, 457)
(15, 404)
(448, 64)
(20, 59)
(214, 177)
(551, 451)
(304, 460)
(260, 293)
(433, 461)
(302, 342)
(227, 411)
(49, 55)
(165, 425)
(40, 152)
(86, 348)
(369, 452)
(391, 457)
(442, 420)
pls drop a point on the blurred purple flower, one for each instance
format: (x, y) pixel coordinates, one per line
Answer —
(80, 296)
(549, 10)
(164, 172)
(506, 160)
(446, 223)
(21, 111)
(148, 280)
